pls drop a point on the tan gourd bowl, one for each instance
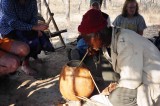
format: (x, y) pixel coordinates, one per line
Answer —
(75, 81)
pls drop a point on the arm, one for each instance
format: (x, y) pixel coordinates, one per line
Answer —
(34, 20)
(141, 25)
(116, 22)
(10, 15)
(130, 64)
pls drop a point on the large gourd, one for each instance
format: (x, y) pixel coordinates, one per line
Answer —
(75, 81)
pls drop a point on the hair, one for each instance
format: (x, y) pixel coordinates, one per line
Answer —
(124, 10)
(97, 5)
(100, 2)
(105, 36)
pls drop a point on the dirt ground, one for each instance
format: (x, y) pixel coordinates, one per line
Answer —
(43, 90)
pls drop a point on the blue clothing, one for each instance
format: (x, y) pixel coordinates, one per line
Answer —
(35, 43)
(82, 47)
(16, 22)
(15, 16)
(31, 38)
(136, 23)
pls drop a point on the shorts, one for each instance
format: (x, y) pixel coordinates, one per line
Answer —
(5, 45)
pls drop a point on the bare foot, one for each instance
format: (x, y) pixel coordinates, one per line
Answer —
(28, 70)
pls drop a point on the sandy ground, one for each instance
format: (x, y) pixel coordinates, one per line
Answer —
(43, 90)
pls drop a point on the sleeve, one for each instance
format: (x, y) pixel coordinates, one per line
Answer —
(81, 44)
(34, 20)
(11, 18)
(141, 24)
(130, 64)
(116, 22)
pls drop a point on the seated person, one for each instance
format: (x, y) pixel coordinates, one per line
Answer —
(81, 45)
(11, 53)
(92, 62)
(19, 22)
(134, 57)
(130, 17)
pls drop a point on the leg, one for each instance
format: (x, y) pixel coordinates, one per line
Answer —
(20, 49)
(73, 54)
(27, 69)
(16, 47)
(123, 97)
(45, 43)
(23, 50)
(8, 63)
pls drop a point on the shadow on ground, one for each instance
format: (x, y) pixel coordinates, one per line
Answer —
(43, 89)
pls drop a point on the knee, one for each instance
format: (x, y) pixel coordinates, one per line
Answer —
(10, 64)
(23, 50)
(14, 64)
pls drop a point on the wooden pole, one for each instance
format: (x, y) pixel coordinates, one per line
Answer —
(54, 23)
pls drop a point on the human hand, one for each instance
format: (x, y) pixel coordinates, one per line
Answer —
(40, 27)
(109, 89)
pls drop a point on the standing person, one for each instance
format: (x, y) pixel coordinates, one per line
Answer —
(19, 22)
(134, 57)
(130, 17)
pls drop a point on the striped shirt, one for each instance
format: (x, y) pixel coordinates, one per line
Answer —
(16, 16)
(137, 23)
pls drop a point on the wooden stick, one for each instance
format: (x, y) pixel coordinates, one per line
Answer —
(83, 58)
(94, 83)
(89, 72)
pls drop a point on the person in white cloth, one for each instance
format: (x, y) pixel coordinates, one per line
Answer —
(134, 57)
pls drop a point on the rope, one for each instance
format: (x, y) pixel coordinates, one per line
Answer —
(89, 72)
